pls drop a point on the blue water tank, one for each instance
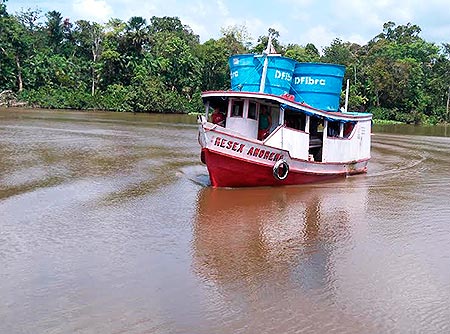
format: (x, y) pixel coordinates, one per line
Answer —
(318, 85)
(280, 71)
(246, 73)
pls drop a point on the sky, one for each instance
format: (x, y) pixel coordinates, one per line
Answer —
(298, 21)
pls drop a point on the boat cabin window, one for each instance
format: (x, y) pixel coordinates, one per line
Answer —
(252, 110)
(336, 129)
(237, 108)
(348, 129)
(294, 120)
(316, 127)
(275, 114)
(333, 129)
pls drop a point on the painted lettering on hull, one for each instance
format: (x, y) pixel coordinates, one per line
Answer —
(264, 154)
(252, 151)
(229, 144)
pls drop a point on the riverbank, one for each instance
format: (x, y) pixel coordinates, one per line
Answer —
(9, 99)
(115, 98)
(22, 105)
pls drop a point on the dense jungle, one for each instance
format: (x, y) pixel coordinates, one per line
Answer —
(160, 65)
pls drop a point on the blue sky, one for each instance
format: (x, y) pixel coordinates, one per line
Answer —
(298, 21)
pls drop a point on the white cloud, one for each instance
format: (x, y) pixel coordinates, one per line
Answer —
(319, 35)
(223, 8)
(298, 21)
(96, 10)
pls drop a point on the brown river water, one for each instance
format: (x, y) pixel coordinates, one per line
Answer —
(108, 225)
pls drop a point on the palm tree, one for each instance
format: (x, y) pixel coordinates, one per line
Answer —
(137, 33)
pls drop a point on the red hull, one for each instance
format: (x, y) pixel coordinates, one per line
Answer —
(226, 171)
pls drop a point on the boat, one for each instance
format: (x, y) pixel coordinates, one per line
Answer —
(281, 124)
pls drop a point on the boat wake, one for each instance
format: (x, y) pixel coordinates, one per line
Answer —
(411, 165)
(197, 174)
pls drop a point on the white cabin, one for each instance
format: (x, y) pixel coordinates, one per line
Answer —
(307, 133)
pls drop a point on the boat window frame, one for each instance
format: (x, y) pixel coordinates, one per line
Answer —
(298, 120)
(255, 110)
(237, 102)
(334, 131)
(348, 135)
(341, 132)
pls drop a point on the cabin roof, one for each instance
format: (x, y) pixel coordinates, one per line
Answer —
(219, 97)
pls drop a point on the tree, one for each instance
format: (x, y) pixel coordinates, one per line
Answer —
(3, 11)
(302, 54)
(89, 37)
(54, 29)
(215, 72)
(236, 38)
(15, 46)
(263, 40)
(136, 33)
(398, 65)
(113, 63)
(162, 66)
(338, 53)
(173, 25)
(181, 69)
(438, 84)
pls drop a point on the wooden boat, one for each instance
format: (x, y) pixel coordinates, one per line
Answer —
(280, 124)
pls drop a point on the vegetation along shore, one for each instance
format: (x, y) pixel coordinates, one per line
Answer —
(159, 65)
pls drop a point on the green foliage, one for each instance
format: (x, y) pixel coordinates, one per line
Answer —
(263, 40)
(114, 98)
(339, 53)
(236, 39)
(214, 69)
(3, 11)
(57, 98)
(160, 65)
(303, 54)
(356, 101)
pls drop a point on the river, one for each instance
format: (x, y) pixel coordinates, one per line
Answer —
(107, 225)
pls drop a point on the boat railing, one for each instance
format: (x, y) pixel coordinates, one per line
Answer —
(315, 142)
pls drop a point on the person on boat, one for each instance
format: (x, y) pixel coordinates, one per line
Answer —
(265, 122)
(218, 117)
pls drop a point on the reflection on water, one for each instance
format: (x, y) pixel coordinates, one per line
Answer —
(108, 225)
(237, 228)
(254, 244)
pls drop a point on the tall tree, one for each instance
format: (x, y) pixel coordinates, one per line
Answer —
(215, 73)
(3, 11)
(54, 29)
(397, 63)
(15, 46)
(173, 25)
(236, 38)
(89, 37)
(137, 34)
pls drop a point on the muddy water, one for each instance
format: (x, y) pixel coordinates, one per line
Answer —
(107, 225)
